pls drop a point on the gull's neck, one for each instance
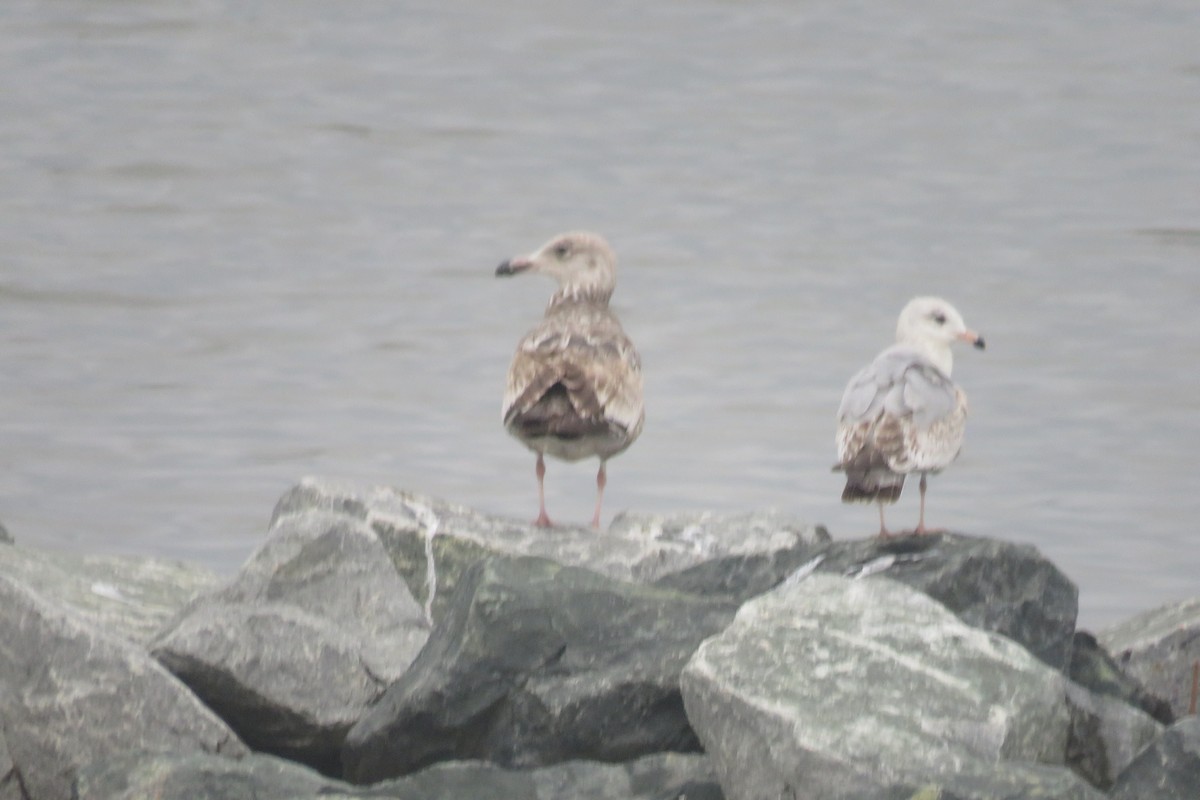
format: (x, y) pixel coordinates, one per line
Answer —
(573, 294)
(937, 352)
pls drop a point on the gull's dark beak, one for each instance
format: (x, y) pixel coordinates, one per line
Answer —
(513, 266)
(979, 343)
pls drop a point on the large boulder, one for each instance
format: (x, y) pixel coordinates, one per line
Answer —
(741, 576)
(198, 776)
(71, 694)
(830, 687)
(659, 776)
(1105, 734)
(308, 635)
(1094, 668)
(537, 663)
(1112, 715)
(663, 776)
(994, 585)
(1160, 648)
(1169, 769)
(10, 779)
(126, 596)
(432, 542)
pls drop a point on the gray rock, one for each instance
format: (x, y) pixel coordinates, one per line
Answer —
(72, 695)
(837, 688)
(654, 777)
(738, 578)
(198, 777)
(128, 597)
(997, 586)
(537, 663)
(637, 547)
(10, 779)
(1160, 648)
(1105, 735)
(309, 634)
(1009, 781)
(1169, 769)
(1094, 669)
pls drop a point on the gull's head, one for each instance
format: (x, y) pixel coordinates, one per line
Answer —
(931, 325)
(582, 263)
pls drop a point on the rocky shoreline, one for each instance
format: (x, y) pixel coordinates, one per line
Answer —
(385, 644)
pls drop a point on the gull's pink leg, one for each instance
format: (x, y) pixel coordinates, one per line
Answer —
(601, 482)
(883, 531)
(921, 520)
(921, 529)
(543, 520)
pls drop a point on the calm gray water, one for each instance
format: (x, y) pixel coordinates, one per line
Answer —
(245, 243)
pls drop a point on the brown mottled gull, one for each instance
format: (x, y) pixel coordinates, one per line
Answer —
(575, 382)
(902, 413)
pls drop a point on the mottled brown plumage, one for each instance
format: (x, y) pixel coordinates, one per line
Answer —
(575, 384)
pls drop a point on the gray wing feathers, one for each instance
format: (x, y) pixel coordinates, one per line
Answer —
(862, 396)
(902, 413)
(927, 395)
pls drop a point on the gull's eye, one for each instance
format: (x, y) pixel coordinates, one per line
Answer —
(562, 250)
(938, 317)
